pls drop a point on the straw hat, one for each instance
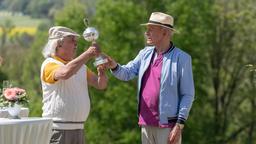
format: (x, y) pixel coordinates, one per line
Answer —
(57, 32)
(161, 19)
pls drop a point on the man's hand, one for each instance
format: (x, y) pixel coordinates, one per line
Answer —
(101, 70)
(111, 64)
(102, 79)
(175, 135)
(93, 50)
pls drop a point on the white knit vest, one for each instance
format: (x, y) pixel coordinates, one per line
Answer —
(67, 102)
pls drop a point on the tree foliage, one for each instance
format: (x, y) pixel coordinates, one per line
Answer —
(219, 35)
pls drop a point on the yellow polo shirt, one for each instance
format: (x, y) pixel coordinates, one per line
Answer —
(50, 68)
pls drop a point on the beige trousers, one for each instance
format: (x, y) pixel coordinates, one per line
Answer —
(155, 135)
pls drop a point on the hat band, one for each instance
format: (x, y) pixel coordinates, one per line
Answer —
(58, 37)
(155, 22)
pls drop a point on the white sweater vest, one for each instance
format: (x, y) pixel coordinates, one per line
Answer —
(67, 102)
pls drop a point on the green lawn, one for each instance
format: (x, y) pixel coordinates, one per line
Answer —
(19, 20)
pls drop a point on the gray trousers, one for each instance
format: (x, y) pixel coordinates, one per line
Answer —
(68, 137)
(155, 135)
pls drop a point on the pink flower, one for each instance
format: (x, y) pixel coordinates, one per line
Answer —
(10, 94)
(19, 91)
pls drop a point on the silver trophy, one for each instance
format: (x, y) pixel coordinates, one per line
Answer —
(91, 34)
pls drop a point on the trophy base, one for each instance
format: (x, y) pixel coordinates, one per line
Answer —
(100, 60)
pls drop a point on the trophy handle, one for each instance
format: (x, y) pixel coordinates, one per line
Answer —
(86, 22)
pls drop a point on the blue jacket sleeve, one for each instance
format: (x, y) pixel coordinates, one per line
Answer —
(130, 70)
(185, 87)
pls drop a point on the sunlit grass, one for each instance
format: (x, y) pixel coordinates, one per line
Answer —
(22, 23)
(28, 30)
(19, 30)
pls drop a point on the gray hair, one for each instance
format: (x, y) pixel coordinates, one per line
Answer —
(50, 48)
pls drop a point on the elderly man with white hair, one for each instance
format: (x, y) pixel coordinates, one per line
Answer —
(65, 81)
(165, 82)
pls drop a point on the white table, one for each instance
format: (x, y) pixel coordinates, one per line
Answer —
(4, 113)
(25, 131)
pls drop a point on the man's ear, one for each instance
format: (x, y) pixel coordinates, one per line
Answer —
(165, 32)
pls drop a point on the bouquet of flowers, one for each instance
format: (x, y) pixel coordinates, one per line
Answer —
(11, 96)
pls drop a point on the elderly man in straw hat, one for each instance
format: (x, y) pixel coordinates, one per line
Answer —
(65, 81)
(165, 82)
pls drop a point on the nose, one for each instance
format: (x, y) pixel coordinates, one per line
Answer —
(146, 33)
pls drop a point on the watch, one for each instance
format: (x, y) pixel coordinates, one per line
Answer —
(181, 126)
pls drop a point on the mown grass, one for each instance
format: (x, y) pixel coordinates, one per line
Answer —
(21, 23)
(19, 20)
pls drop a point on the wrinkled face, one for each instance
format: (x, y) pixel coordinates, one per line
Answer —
(154, 34)
(67, 48)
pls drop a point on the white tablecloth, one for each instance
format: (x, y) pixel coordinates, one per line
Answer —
(23, 113)
(25, 131)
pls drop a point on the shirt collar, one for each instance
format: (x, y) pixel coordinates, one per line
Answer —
(59, 59)
(172, 46)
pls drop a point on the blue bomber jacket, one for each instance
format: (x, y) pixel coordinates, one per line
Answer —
(176, 84)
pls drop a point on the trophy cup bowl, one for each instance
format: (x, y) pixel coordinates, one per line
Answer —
(91, 34)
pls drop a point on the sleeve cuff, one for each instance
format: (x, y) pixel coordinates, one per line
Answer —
(181, 121)
(114, 69)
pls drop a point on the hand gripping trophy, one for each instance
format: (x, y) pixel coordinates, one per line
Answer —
(91, 34)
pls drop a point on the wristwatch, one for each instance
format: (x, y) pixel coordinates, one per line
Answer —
(181, 126)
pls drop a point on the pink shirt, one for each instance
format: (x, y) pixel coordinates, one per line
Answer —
(149, 113)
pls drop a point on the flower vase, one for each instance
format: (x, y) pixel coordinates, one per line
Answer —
(14, 111)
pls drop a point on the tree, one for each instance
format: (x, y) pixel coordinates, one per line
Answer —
(208, 31)
(15, 5)
(220, 37)
(3, 76)
(7, 27)
(216, 33)
(114, 112)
